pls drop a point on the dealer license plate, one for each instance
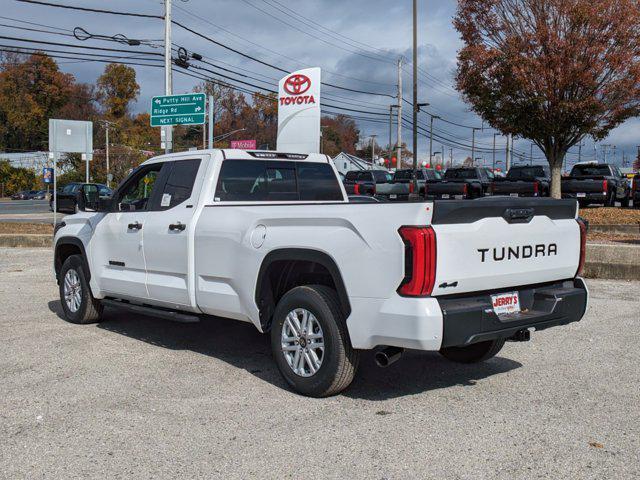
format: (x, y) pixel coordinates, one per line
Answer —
(514, 194)
(393, 197)
(506, 303)
(581, 195)
(445, 195)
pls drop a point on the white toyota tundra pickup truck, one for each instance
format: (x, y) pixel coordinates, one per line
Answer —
(272, 239)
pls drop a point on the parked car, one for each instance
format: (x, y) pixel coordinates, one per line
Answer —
(402, 184)
(67, 196)
(524, 181)
(599, 183)
(635, 191)
(39, 195)
(365, 182)
(461, 183)
(23, 195)
(271, 238)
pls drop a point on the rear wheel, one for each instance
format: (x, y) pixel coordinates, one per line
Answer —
(625, 201)
(474, 353)
(310, 342)
(78, 303)
(611, 199)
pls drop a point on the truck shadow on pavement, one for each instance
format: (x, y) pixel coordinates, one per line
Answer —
(240, 345)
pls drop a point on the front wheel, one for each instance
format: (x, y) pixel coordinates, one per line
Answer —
(78, 303)
(310, 342)
(474, 353)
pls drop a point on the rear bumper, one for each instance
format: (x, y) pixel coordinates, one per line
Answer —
(471, 319)
(598, 197)
(445, 196)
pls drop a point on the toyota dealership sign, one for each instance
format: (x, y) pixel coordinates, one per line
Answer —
(299, 112)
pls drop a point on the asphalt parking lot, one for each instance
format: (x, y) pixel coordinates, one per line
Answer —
(145, 398)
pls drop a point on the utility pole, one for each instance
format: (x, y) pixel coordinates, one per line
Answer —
(373, 150)
(494, 153)
(211, 121)
(391, 107)
(106, 147)
(580, 152)
(473, 143)
(451, 157)
(168, 78)
(433, 117)
(531, 155)
(399, 154)
(508, 159)
(415, 92)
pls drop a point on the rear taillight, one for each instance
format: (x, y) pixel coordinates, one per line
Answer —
(583, 246)
(536, 188)
(373, 192)
(356, 189)
(636, 184)
(412, 187)
(420, 261)
(492, 188)
(465, 190)
(605, 186)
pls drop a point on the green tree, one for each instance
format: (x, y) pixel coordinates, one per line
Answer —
(552, 71)
(117, 88)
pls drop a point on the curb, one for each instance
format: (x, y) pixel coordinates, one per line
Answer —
(22, 240)
(616, 262)
(631, 229)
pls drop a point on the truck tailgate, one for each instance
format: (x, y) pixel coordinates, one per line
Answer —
(496, 243)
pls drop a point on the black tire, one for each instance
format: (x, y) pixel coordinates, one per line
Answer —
(474, 353)
(611, 199)
(90, 309)
(339, 360)
(625, 201)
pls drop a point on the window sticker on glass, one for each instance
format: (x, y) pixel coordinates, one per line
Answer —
(166, 200)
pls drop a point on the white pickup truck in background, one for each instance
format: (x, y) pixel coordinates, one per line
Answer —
(271, 238)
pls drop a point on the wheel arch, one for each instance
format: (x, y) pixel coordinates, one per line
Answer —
(67, 246)
(283, 263)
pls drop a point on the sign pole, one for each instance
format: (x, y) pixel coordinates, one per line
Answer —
(55, 189)
(211, 120)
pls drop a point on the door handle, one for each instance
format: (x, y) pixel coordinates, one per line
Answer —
(135, 226)
(177, 226)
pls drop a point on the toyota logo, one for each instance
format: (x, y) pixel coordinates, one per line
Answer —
(297, 84)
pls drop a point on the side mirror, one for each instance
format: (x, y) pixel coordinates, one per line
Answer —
(88, 198)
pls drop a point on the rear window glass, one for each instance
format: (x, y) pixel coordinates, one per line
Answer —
(248, 180)
(408, 175)
(526, 172)
(590, 170)
(461, 173)
(318, 182)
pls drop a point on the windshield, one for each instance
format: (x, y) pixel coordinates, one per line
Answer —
(526, 172)
(590, 170)
(461, 173)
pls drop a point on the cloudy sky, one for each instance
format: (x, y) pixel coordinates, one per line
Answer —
(356, 43)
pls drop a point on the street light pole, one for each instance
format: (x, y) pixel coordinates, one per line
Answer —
(473, 143)
(168, 78)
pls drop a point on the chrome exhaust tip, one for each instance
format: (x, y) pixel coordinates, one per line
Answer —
(387, 356)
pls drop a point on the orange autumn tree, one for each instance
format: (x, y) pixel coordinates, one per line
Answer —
(552, 71)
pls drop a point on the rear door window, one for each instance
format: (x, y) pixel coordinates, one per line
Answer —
(178, 186)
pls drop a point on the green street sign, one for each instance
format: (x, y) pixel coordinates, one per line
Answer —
(187, 109)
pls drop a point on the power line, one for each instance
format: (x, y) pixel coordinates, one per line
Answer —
(94, 10)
